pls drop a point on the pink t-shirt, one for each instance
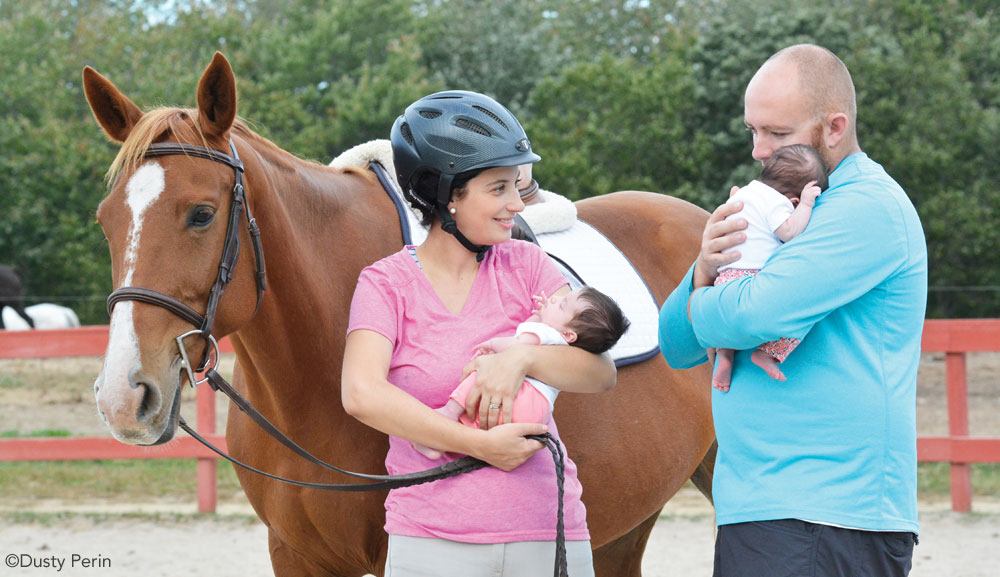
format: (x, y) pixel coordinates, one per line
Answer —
(430, 347)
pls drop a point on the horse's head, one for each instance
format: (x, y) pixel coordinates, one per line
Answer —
(165, 219)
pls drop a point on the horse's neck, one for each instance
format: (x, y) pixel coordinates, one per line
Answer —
(316, 239)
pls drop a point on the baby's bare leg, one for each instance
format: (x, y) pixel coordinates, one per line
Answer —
(768, 363)
(452, 410)
(723, 369)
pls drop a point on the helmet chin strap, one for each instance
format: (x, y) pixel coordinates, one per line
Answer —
(449, 226)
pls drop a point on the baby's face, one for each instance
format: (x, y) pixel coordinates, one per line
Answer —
(558, 311)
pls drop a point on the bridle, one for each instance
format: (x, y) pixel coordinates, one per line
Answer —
(230, 252)
(206, 323)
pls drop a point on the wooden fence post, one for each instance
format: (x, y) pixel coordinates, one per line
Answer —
(958, 426)
(208, 493)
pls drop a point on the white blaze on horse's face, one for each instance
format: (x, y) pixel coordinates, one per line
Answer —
(123, 401)
(142, 190)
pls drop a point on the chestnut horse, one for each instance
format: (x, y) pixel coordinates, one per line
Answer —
(165, 220)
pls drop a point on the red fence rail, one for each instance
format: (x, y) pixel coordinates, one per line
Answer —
(92, 341)
(955, 338)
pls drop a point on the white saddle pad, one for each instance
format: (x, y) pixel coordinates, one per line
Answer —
(601, 265)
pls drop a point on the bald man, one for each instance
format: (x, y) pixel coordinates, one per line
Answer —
(816, 475)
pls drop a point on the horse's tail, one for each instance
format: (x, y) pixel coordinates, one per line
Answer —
(702, 476)
(24, 314)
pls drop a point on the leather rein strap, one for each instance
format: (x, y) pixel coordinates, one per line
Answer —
(206, 322)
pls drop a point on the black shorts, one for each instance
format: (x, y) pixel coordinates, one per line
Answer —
(794, 548)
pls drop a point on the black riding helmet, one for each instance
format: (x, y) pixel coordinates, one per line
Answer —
(449, 133)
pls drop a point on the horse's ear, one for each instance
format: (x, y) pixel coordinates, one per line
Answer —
(116, 114)
(217, 97)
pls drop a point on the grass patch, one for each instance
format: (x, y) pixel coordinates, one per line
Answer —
(60, 518)
(935, 479)
(123, 479)
(12, 382)
(36, 434)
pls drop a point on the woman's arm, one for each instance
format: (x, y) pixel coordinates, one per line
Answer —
(500, 376)
(368, 396)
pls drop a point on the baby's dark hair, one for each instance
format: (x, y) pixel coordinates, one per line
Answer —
(598, 326)
(790, 168)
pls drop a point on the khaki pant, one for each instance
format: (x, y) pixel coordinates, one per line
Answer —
(422, 557)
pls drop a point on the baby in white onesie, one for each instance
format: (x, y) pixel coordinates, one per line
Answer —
(777, 207)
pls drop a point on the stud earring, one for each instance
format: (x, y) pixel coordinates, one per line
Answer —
(452, 210)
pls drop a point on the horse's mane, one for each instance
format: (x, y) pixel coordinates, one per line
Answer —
(180, 122)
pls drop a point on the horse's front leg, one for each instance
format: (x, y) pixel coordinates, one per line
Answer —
(287, 562)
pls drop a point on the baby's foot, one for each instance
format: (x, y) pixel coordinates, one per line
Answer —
(723, 370)
(721, 381)
(428, 452)
(768, 363)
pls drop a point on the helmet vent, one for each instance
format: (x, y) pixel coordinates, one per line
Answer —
(493, 116)
(407, 135)
(430, 114)
(474, 127)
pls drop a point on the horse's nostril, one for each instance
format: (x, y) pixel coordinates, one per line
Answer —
(147, 404)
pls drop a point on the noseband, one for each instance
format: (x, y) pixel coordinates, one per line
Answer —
(230, 252)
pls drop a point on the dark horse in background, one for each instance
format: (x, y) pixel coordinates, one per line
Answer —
(10, 293)
(165, 219)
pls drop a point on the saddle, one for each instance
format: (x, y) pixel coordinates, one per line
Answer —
(584, 255)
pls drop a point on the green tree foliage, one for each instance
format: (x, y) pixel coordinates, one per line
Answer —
(502, 49)
(617, 124)
(325, 76)
(615, 94)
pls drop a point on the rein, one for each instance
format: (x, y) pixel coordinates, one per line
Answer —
(206, 322)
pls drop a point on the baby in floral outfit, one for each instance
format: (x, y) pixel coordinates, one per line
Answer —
(777, 206)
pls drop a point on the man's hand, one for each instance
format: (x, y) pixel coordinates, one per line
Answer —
(720, 234)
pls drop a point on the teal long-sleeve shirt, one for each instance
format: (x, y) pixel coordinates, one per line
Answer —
(836, 442)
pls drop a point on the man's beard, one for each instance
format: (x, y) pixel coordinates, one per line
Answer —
(819, 143)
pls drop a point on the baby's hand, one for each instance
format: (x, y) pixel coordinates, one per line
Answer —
(494, 346)
(484, 349)
(809, 193)
(539, 301)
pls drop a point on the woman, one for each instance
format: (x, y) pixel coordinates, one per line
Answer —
(418, 314)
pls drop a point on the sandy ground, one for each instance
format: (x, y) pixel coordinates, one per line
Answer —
(168, 541)
(150, 539)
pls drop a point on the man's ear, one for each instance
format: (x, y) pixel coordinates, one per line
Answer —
(835, 129)
(795, 201)
(569, 336)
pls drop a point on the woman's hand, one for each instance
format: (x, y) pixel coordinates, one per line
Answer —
(498, 379)
(505, 446)
(720, 234)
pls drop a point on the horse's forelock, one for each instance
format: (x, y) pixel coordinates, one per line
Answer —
(178, 122)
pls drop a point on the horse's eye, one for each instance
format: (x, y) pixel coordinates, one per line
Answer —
(201, 216)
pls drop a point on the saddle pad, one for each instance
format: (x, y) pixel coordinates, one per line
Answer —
(599, 263)
(585, 256)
